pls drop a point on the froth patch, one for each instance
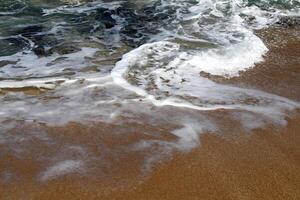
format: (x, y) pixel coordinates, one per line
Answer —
(30, 65)
(229, 61)
(82, 6)
(166, 75)
(188, 137)
(62, 168)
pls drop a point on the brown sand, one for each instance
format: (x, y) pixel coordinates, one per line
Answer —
(263, 164)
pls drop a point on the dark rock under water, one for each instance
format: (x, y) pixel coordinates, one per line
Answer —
(289, 22)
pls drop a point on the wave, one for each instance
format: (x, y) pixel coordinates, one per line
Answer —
(168, 71)
(164, 46)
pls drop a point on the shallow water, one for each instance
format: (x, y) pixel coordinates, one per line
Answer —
(123, 62)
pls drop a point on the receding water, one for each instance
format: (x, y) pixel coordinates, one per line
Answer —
(135, 61)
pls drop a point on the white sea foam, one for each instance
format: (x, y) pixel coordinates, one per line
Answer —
(62, 168)
(181, 79)
(27, 83)
(168, 73)
(229, 61)
(205, 36)
(30, 65)
(157, 85)
(83, 7)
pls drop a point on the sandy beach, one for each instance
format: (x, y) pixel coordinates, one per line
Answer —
(236, 164)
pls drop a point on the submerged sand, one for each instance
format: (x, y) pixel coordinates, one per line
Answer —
(263, 163)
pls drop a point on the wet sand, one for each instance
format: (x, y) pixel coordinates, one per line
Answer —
(237, 164)
(264, 164)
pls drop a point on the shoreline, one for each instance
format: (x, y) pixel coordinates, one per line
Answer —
(235, 165)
